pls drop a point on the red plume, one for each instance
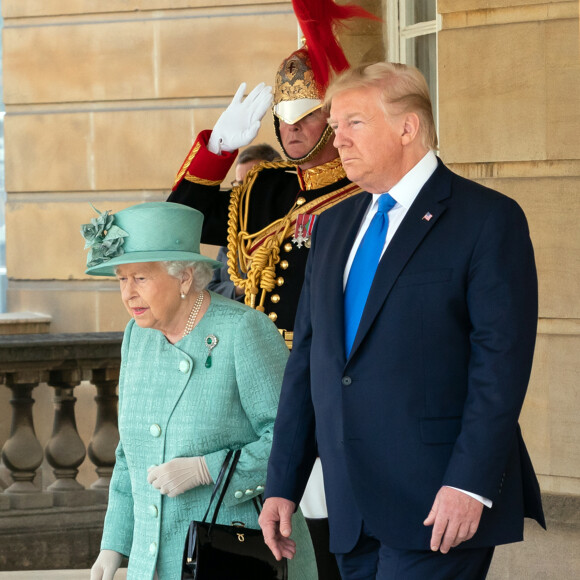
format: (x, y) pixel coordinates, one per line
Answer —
(317, 19)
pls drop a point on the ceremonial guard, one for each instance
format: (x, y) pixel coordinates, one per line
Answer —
(266, 222)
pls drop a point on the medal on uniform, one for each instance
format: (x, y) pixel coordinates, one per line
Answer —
(303, 229)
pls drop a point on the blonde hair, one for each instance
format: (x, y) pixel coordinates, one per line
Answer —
(400, 86)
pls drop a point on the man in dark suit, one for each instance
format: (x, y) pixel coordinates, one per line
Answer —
(413, 345)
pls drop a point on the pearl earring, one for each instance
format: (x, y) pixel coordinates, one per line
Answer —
(182, 296)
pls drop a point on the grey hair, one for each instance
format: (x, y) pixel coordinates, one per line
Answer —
(202, 272)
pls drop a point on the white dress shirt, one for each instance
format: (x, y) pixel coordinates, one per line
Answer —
(404, 193)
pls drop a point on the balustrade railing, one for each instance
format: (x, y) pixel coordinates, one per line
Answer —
(62, 361)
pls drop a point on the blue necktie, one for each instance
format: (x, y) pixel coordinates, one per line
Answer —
(363, 269)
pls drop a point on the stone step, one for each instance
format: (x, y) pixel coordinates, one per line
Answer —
(56, 575)
(24, 323)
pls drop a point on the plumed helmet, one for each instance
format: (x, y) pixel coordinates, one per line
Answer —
(302, 78)
(296, 95)
(296, 92)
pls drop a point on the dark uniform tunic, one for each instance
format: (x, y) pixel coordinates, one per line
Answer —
(275, 192)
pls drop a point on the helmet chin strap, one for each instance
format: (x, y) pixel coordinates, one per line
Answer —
(322, 141)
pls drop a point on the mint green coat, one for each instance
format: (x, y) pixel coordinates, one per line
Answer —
(172, 405)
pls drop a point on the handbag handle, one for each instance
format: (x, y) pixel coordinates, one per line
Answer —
(256, 501)
(218, 482)
(237, 454)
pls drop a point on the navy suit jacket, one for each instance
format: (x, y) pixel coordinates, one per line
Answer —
(432, 390)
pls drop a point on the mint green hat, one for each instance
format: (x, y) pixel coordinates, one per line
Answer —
(147, 232)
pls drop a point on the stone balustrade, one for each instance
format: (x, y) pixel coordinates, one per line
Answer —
(58, 525)
(63, 362)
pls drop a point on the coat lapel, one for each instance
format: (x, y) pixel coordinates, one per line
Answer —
(410, 234)
(343, 231)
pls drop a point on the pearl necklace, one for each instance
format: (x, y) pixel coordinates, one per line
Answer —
(193, 315)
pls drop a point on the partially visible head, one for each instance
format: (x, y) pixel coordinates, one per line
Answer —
(300, 124)
(260, 152)
(252, 155)
(382, 120)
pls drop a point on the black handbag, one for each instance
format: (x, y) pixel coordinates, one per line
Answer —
(219, 552)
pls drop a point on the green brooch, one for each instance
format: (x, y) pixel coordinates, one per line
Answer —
(210, 342)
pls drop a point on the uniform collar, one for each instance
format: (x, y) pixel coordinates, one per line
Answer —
(321, 175)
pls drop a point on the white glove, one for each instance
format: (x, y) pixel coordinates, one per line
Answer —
(239, 124)
(106, 565)
(179, 475)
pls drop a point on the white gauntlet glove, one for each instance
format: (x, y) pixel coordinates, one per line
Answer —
(179, 475)
(106, 565)
(239, 124)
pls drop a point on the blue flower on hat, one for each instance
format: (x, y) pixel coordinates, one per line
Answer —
(103, 237)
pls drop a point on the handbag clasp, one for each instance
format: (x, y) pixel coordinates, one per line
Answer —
(241, 537)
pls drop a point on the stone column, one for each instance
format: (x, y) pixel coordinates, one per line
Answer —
(65, 451)
(106, 436)
(22, 452)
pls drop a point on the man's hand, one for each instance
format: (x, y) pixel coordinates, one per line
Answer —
(179, 475)
(239, 124)
(276, 523)
(455, 518)
(106, 565)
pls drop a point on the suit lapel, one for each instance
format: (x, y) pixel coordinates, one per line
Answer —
(343, 231)
(421, 217)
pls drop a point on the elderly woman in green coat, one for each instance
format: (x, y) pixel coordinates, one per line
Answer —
(200, 375)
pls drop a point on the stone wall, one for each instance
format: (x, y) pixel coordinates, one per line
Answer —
(103, 102)
(104, 98)
(509, 80)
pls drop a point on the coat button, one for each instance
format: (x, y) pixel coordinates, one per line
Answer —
(259, 488)
(239, 494)
(275, 298)
(153, 511)
(273, 316)
(300, 201)
(288, 247)
(152, 548)
(284, 264)
(249, 491)
(346, 381)
(279, 281)
(184, 366)
(155, 430)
